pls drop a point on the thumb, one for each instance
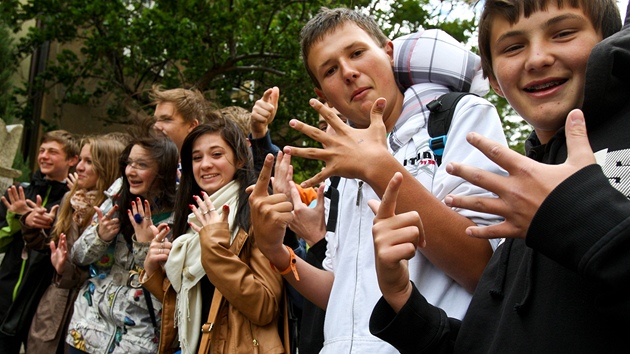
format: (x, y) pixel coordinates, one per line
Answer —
(374, 205)
(320, 196)
(578, 147)
(99, 213)
(53, 211)
(295, 195)
(38, 201)
(53, 247)
(274, 96)
(268, 95)
(376, 114)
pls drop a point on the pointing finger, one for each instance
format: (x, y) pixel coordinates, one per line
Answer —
(260, 189)
(387, 207)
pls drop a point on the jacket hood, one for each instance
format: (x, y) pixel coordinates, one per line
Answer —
(607, 76)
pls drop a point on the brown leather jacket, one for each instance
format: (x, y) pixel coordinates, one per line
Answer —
(252, 293)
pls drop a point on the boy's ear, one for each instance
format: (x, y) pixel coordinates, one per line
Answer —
(320, 94)
(495, 86)
(389, 50)
(73, 161)
(193, 125)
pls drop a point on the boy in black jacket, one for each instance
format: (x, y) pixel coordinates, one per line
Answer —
(25, 274)
(559, 282)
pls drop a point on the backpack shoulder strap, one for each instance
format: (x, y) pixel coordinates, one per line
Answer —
(333, 194)
(442, 110)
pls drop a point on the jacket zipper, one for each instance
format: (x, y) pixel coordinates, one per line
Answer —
(254, 340)
(359, 193)
(111, 315)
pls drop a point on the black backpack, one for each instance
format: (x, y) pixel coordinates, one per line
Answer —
(442, 110)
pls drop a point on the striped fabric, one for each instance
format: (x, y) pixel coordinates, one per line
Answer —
(428, 64)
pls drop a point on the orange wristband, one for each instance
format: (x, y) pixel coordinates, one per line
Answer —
(292, 265)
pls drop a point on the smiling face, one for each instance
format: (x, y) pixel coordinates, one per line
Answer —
(53, 161)
(213, 162)
(539, 64)
(141, 171)
(87, 175)
(353, 71)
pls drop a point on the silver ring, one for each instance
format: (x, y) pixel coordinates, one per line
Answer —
(147, 218)
(211, 210)
(205, 212)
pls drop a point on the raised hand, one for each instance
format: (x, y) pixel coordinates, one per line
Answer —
(206, 213)
(72, 179)
(159, 250)
(39, 217)
(283, 175)
(108, 225)
(270, 215)
(395, 240)
(347, 150)
(529, 182)
(263, 112)
(308, 223)
(17, 202)
(140, 218)
(59, 253)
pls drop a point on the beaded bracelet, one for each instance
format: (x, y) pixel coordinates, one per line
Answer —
(292, 265)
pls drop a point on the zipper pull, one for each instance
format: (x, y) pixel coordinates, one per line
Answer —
(24, 253)
(359, 193)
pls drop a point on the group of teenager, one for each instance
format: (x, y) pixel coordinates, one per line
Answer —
(178, 241)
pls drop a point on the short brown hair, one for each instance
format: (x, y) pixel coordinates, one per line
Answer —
(328, 20)
(190, 103)
(604, 15)
(238, 115)
(66, 139)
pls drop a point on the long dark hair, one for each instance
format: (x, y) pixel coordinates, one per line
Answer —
(162, 191)
(188, 187)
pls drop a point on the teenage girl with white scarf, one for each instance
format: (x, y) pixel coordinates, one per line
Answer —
(213, 251)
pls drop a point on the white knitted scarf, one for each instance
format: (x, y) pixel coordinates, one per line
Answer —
(184, 270)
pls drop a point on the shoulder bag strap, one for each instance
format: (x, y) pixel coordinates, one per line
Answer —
(206, 329)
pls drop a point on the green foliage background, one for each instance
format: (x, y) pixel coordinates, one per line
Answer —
(122, 47)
